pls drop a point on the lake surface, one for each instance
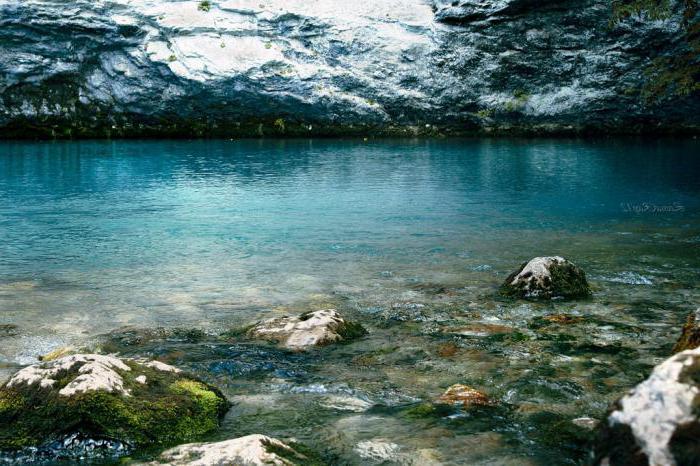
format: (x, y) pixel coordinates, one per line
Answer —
(411, 238)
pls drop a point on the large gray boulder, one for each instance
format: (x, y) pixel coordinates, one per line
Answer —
(296, 67)
(657, 422)
(547, 277)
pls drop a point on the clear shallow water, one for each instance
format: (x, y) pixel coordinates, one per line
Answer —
(409, 237)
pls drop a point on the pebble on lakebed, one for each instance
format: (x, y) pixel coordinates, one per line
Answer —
(314, 328)
(546, 278)
(135, 402)
(459, 394)
(251, 450)
(657, 422)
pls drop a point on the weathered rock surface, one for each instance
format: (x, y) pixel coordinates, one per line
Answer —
(547, 277)
(251, 450)
(690, 335)
(295, 67)
(97, 396)
(656, 423)
(316, 328)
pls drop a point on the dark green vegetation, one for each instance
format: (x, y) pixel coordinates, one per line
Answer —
(667, 76)
(168, 409)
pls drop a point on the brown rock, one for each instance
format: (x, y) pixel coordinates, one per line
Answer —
(447, 350)
(464, 395)
(562, 319)
(690, 336)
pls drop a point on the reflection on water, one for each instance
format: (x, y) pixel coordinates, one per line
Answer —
(410, 237)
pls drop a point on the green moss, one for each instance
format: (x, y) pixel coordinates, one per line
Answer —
(168, 409)
(667, 77)
(485, 113)
(172, 58)
(279, 124)
(208, 400)
(673, 76)
(521, 96)
(557, 431)
(428, 410)
(351, 330)
(652, 9)
(510, 106)
(204, 5)
(568, 281)
(513, 337)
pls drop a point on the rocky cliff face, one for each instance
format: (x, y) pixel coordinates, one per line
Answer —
(322, 67)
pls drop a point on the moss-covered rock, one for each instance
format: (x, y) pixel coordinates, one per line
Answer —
(315, 328)
(546, 278)
(251, 450)
(690, 335)
(136, 402)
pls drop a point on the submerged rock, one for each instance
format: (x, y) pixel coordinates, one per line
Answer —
(125, 337)
(8, 330)
(547, 277)
(251, 450)
(690, 336)
(378, 451)
(656, 423)
(465, 396)
(105, 397)
(316, 328)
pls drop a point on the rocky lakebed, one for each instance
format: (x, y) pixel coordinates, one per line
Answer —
(538, 371)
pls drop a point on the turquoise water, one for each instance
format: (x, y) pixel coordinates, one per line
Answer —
(409, 237)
